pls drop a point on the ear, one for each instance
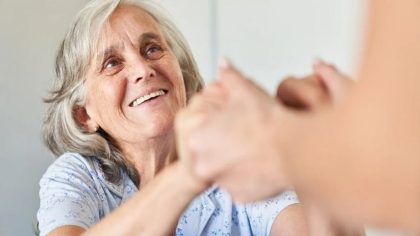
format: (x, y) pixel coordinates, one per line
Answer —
(84, 120)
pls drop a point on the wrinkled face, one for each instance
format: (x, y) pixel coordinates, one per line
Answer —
(135, 85)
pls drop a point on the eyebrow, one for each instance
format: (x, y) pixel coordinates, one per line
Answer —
(148, 36)
(143, 38)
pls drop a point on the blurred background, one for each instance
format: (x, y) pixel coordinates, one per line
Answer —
(267, 39)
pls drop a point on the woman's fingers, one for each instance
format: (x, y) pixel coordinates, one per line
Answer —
(302, 94)
(336, 83)
(213, 97)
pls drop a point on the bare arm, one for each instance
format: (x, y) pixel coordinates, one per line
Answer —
(313, 93)
(291, 221)
(152, 211)
(300, 221)
(364, 155)
(359, 160)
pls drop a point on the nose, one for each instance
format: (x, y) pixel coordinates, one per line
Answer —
(141, 69)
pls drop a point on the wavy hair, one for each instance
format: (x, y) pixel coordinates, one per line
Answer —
(61, 131)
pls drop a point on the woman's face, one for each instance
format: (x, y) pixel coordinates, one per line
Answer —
(135, 85)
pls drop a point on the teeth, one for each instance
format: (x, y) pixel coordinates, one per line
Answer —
(146, 97)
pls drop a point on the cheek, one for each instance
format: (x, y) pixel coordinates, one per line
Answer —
(114, 91)
(105, 96)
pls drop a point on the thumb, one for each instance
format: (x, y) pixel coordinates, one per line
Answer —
(334, 81)
(230, 76)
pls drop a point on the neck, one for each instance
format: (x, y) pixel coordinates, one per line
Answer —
(151, 156)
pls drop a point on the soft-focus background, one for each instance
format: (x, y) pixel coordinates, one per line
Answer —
(267, 39)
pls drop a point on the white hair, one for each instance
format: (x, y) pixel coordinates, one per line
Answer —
(61, 131)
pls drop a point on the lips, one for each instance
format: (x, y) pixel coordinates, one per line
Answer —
(146, 97)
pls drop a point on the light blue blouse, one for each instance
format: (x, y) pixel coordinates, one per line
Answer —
(74, 191)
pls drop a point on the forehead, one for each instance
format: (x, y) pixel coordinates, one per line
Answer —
(127, 22)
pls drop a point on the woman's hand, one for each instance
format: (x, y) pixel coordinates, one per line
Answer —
(223, 134)
(326, 86)
(234, 133)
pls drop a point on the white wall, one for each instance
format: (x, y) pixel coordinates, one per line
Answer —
(192, 17)
(268, 39)
(29, 35)
(271, 39)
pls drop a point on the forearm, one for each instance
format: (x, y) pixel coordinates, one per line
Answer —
(359, 169)
(321, 223)
(363, 156)
(155, 209)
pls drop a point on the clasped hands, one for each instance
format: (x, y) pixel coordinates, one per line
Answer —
(236, 135)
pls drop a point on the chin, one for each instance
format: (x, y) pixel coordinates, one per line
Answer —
(160, 129)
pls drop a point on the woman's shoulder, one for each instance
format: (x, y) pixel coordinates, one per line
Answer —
(69, 168)
(70, 163)
(72, 159)
(75, 169)
(69, 194)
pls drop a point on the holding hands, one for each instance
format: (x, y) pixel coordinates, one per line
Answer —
(214, 133)
(233, 133)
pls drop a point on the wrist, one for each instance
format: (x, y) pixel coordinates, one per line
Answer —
(283, 131)
(191, 182)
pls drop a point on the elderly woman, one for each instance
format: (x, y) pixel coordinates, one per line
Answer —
(123, 72)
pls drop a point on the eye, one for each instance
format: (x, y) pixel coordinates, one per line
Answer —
(112, 65)
(153, 52)
(112, 62)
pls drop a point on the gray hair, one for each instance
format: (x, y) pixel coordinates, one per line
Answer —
(61, 132)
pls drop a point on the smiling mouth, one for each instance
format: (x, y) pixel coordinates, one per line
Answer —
(148, 97)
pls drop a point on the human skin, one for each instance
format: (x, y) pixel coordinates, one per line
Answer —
(138, 62)
(219, 111)
(145, 132)
(373, 137)
(221, 118)
(359, 160)
(134, 60)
